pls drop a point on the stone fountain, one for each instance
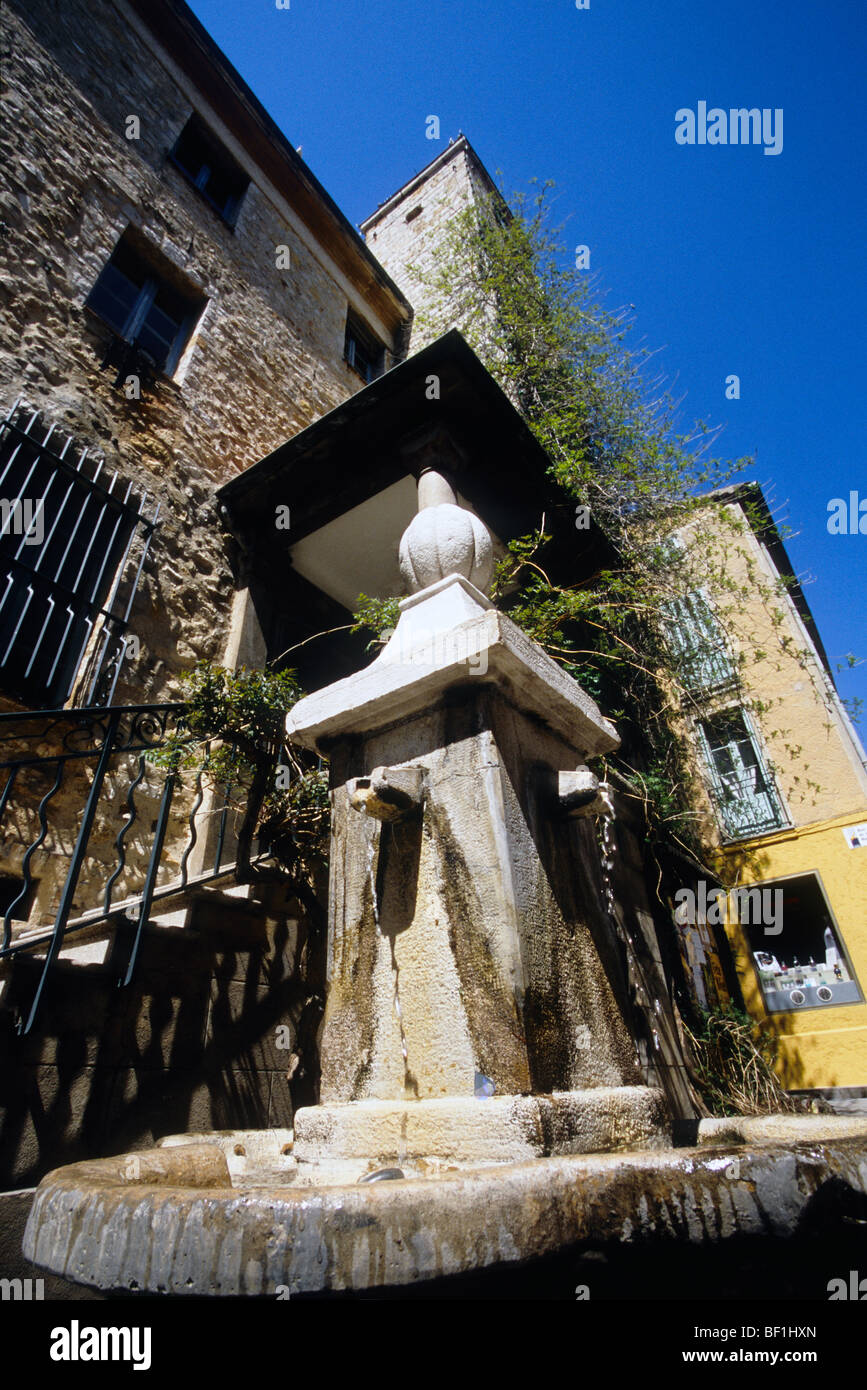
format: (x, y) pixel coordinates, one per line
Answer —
(482, 1103)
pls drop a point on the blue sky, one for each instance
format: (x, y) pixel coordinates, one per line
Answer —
(736, 261)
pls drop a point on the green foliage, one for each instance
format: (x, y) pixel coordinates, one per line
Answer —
(295, 823)
(735, 1071)
(376, 615)
(233, 734)
(566, 361)
(572, 367)
(240, 708)
(854, 706)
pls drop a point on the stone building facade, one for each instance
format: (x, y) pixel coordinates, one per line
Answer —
(179, 296)
(406, 231)
(97, 98)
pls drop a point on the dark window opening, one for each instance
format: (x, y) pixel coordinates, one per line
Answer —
(364, 353)
(411, 216)
(199, 155)
(145, 308)
(803, 965)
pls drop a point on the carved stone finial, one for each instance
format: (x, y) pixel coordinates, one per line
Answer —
(444, 539)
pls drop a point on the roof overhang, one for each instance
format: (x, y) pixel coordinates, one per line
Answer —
(349, 479)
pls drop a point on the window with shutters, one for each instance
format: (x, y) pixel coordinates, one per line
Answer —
(743, 788)
(145, 304)
(73, 539)
(698, 644)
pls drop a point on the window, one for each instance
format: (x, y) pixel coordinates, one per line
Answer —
(697, 643)
(362, 351)
(146, 309)
(742, 787)
(804, 966)
(73, 539)
(210, 169)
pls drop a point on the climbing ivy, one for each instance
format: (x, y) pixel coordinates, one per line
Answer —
(609, 427)
(232, 733)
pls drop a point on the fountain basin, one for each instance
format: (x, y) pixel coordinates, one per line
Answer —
(169, 1220)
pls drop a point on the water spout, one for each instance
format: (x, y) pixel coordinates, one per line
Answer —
(388, 794)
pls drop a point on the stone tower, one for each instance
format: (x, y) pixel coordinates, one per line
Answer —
(407, 230)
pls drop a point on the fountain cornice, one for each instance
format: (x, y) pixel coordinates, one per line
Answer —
(428, 654)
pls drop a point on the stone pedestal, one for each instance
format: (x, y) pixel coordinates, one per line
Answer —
(467, 933)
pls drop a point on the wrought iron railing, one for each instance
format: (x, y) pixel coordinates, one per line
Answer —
(747, 804)
(90, 768)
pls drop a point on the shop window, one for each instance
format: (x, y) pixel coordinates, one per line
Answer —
(803, 966)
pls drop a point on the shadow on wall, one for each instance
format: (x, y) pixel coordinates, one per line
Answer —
(793, 1063)
(218, 1031)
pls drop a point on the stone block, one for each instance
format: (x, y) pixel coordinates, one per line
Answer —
(497, 1129)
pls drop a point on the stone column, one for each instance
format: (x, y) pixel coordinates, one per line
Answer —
(467, 935)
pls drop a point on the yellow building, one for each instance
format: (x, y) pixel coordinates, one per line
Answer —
(786, 782)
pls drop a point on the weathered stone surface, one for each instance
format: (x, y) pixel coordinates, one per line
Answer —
(443, 540)
(776, 1129)
(266, 359)
(407, 234)
(490, 928)
(488, 648)
(35, 1283)
(502, 1129)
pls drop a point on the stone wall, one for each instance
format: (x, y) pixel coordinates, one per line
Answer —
(266, 358)
(191, 1045)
